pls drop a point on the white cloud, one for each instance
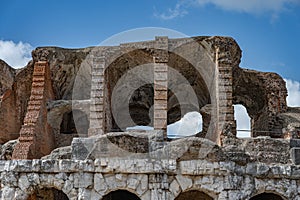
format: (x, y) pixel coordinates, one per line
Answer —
(190, 124)
(293, 87)
(250, 6)
(178, 11)
(16, 55)
(244, 6)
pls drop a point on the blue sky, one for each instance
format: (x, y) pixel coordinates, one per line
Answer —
(268, 32)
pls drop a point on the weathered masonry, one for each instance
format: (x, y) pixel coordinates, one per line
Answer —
(70, 110)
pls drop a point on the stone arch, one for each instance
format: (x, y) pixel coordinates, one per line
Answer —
(193, 194)
(67, 125)
(264, 96)
(72, 123)
(176, 110)
(141, 101)
(120, 194)
(212, 57)
(47, 194)
(266, 196)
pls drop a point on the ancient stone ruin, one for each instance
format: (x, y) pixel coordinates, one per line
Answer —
(64, 122)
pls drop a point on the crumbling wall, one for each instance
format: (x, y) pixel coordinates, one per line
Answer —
(264, 96)
(64, 65)
(9, 126)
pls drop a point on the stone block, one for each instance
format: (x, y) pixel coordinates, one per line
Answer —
(294, 143)
(175, 188)
(184, 182)
(100, 184)
(295, 155)
(83, 180)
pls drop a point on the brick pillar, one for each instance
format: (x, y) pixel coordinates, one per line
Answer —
(36, 139)
(161, 84)
(97, 96)
(226, 122)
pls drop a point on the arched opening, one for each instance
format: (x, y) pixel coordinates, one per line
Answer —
(193, 195)
(74, 122)
(243, 121)
(187, 95)
(133, 71)
(266, 196)
(48, 194)
(67, 125)
(120, 194)
(140, 105)
(128, 91)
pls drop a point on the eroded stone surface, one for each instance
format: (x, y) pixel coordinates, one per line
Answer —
(144, 163)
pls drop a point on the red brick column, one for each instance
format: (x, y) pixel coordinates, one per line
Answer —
(36, 139)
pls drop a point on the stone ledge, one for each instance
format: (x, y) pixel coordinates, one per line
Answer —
(150, 166)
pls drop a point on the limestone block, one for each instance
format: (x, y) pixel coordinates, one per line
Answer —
(232, 194)
(100, 184)
(36, 165)
(143, 186)
(84, 194)
(83, 180)
(110, 180)
(47, 179)
(251, 169)
(49, 166)
(86, 165)
(23, 182)
(146, 195)
(73, 194)
(121, 180)
(233, 182)
(95, 195)
(59, 180)
(262, 169)
(223, 195)
(184, 182)
(68, 165)
(9, 178)
(175, 188)
(132, 182)
(33, 178)
(7, 193)
(68, 186)
(19, 194)
(3, 163)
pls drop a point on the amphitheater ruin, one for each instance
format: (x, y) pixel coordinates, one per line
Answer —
(64, 120)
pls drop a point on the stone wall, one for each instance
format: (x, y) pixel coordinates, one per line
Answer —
(125, 161)
(178, 76)
(264, 96)
(159, 179)
(9, 129)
